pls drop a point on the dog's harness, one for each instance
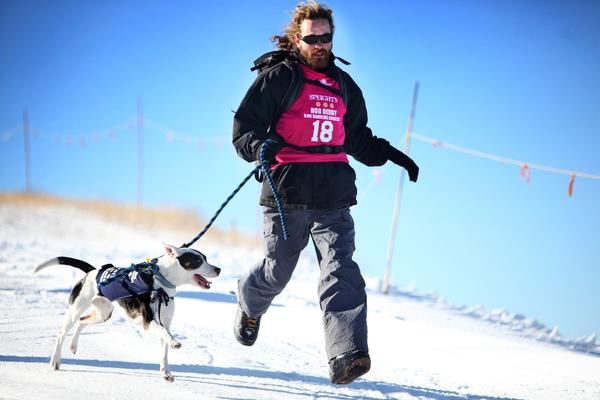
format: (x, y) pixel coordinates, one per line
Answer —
(163, 298)
(119, 283)
(109, 273)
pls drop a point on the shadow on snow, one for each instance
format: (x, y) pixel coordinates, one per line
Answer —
(288, 379)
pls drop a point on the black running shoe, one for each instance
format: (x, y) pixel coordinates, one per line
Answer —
(245, 328)
(346, 367)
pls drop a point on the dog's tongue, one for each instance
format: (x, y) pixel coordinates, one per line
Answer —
(202, 282)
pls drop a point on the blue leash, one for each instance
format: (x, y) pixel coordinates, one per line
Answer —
(266, 170)
(264, 166)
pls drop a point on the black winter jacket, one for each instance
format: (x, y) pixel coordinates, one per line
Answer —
(328, 185)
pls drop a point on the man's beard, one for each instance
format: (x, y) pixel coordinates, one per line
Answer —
(316, 58)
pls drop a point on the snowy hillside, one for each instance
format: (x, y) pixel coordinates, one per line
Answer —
(421, 346)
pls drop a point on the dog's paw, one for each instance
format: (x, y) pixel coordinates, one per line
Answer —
(175, 345)
(73, 348)
(168, 377)
(55, 365)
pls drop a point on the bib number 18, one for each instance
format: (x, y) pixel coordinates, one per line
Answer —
(322, 131)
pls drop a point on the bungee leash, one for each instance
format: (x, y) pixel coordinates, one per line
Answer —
(149, 266)
(265, 168)
(264, 164)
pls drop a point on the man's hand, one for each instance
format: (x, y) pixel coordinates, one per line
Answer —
(401, 159)
(270, 152)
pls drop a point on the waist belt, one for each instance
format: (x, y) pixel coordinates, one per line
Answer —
(321, 149)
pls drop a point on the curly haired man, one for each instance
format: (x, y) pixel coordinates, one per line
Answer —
(316, 116)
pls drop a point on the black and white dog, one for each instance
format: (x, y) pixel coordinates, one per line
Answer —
(145, 291)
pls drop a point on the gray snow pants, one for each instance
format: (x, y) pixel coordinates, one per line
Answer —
(342, 295)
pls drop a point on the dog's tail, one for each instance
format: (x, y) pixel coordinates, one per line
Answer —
(73, 262)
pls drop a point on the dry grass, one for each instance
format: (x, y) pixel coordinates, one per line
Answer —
(138, 217)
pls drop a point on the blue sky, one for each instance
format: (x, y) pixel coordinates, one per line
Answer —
(514, 78)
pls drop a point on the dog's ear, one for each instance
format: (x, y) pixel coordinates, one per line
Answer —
(172, 250)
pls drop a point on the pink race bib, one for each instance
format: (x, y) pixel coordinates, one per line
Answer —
(315, 119)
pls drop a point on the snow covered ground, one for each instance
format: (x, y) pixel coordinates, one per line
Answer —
(422, 347)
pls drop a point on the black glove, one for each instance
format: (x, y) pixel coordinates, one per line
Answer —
(401, 159)
(270, 152)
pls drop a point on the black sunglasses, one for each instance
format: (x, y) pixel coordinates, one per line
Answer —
(313, 39)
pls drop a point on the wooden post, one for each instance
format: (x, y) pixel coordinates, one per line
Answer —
(392, 238)
(27, 151)
(140, 158)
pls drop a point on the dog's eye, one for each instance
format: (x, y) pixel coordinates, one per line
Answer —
(190, 261)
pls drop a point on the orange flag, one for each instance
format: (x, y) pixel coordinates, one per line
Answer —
(571, 184)
(525, 172)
